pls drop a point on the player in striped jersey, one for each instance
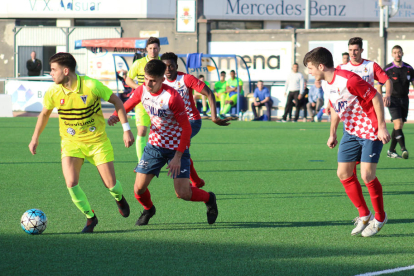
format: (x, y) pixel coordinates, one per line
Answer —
(82, 131)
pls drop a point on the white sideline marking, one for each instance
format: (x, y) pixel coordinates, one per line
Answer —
(398, 269)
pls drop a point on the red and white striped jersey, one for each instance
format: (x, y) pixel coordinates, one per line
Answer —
(184, 84)
(368, 70)
(170, 128)
(351, 97)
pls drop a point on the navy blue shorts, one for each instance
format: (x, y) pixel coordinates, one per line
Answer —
(154, 158)
(195, 127)
(352, 148)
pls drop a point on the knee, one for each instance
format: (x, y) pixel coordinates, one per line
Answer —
(186, 195)
(70, 183)
(139, 189)
(343, 174)
(367, 176)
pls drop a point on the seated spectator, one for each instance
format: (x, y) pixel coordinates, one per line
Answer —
(316, 100)
(262, 98)
(124, 96)
(198, 96)
(232, 88)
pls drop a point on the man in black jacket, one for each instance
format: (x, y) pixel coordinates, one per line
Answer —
(34, 65)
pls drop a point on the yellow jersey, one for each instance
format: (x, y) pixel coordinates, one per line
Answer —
(137, 69)
(80, 111)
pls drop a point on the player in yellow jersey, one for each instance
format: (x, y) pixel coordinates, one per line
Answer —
(137, 71)
(82, 131)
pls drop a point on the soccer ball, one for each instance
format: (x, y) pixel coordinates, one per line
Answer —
(33, 222)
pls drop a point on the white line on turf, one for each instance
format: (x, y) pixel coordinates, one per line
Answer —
(388, 271)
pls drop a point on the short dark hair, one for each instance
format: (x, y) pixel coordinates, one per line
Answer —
(232, 71)
(397, 47)
(153, 40)
(260, 81)
(295, 64)
(345, 54)
(169, 56)
(155, 68)
(201, 76)
(318, 56)
(355, 41)
(65, 60)
(223, 72)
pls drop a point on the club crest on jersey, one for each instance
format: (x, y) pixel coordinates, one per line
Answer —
(365, 70)
(62, 101)
(161, 103)
(178, 83)
(339, 91)
(83, 97)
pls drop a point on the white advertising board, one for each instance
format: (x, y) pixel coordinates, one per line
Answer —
(27, 95)
(294, 10)
(267, 61)
(186, 16)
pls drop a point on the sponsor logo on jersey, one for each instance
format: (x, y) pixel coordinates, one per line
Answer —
(367, 92)
(62, 101)
(341, 105)
(79, 124)
(83, 97)
(92, 129)
(71, 131)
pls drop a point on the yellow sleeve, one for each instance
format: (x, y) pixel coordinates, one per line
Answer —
(48, 101)
(240, 82)
(133, 71)
(102, 91)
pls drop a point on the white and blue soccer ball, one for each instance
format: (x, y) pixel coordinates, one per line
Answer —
(34, 222)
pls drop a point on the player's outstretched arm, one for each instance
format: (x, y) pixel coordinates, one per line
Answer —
(131, 83)
(332, 141)
(40, 126)
(206, 91)
(119, 107)
(383, 134)
(388, 90)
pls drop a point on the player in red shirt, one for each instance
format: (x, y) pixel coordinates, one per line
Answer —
(169, 142)
(184, 84)
(360, 107)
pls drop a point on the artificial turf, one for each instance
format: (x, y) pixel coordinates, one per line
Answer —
(282, 210)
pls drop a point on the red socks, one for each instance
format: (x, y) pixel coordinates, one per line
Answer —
(375, 192)
(145, 199)
(354, 191)
(199, 195)
(195, 180)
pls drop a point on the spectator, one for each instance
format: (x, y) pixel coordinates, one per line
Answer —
(262, 98)
(294, 84)
(220, 90)
(127, 89)
(34, 65)
(315, 99)
(345, 58)
(198, 96)
(232, 87)
(303, 101)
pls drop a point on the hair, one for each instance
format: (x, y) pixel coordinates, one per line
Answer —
(223, 72)
(318, 56)
(232, 71)
(65, 60)
(155, 68)
(397, 47)
(355, 41)
(153, 40)
(169, 56)
(295, 64)
(260, 81)
(201, 76)
(345, 54)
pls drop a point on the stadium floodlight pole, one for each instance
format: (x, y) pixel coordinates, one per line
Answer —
(307, 15)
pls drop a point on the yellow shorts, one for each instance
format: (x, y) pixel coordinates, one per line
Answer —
(141, 116)
(96, 153)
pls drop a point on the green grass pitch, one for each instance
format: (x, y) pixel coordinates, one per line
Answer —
(282, 210)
